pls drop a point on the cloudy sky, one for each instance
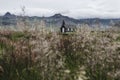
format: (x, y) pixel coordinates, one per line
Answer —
(72, 8)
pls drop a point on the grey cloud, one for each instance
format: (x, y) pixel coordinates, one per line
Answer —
(72, 8)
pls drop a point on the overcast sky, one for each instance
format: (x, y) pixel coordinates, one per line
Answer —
(72, 8)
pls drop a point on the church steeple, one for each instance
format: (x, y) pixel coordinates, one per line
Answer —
(63, 23)
(63, 29)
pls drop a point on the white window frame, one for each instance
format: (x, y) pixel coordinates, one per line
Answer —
(68, 29)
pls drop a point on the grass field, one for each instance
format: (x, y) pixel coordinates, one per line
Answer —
(44, 55)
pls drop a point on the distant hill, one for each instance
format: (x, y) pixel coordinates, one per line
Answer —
(9, 19)
(56, 20)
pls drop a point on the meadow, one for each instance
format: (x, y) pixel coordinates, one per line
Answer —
(41, 54)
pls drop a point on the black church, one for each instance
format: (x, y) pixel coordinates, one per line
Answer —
(67, 28)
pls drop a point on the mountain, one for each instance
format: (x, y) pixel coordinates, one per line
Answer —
(56, 20)
(9, 19)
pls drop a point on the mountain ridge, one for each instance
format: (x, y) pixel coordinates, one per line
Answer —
(57, 19)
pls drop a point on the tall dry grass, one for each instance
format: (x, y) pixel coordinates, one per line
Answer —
(39, 54)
